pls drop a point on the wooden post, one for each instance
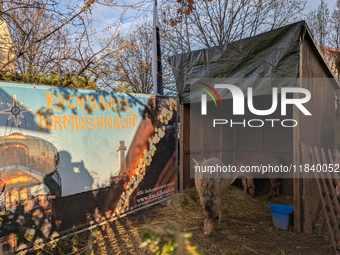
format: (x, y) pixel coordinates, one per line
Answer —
(181, 148)
(298, 207)
(306, 195)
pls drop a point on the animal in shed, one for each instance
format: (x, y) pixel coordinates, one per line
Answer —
(210, 191)
(258, 159)
(211, 188)
(249, 186)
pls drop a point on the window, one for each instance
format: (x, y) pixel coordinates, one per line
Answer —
(23, 194)
(7, 200)
(14, 197)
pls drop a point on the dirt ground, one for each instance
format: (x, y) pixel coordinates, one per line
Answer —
(246, 228)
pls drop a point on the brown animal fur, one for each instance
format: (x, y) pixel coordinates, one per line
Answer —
(211, 190)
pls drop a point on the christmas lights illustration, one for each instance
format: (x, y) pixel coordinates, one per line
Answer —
(145, 160)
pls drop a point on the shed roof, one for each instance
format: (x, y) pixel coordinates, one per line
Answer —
(274, 54)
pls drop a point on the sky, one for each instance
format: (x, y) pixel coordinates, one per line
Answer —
(315, 4)
(103, 15)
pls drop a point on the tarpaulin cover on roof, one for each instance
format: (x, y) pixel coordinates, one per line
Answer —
(274, 54)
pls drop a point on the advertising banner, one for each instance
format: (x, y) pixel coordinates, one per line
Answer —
(70, 157)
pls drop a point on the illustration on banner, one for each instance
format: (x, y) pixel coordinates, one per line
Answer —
(71, 157)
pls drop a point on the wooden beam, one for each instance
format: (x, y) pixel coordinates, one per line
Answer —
(308, 216)
(181, 149)
(336, 161)
(298, 206)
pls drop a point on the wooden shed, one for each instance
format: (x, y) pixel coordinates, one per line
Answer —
(287, 52)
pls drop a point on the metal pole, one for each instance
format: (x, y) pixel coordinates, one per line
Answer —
(156, 59)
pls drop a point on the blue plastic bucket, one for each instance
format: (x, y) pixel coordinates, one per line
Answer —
(282, 215)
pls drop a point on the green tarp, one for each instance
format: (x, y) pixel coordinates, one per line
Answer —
(274, 54)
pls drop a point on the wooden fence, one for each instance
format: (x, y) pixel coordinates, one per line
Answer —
(326, 218)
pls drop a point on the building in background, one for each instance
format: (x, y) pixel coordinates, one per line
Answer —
(331, 56)
(6, 47)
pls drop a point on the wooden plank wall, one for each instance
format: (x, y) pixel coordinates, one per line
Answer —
(316, 130)
(227, 143)
(184, 149)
